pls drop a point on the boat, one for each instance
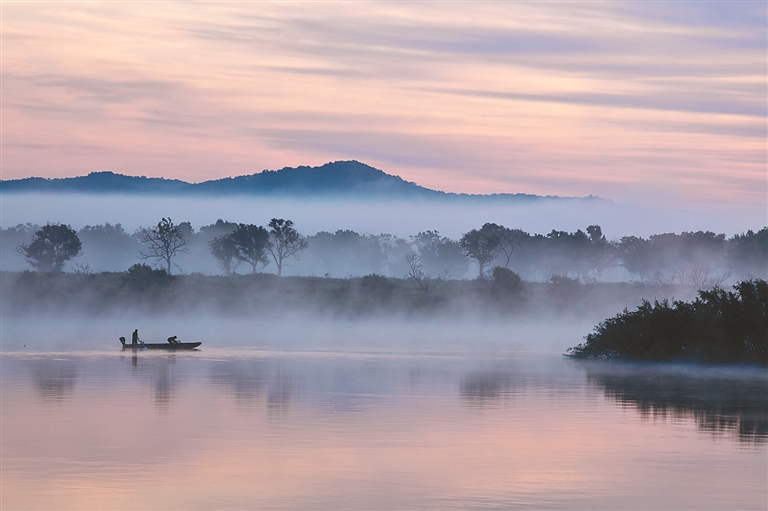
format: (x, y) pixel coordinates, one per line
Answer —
(160, 345)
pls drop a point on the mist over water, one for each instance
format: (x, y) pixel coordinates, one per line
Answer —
(294, 330)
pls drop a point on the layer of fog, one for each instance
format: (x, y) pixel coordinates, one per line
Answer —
(545, 332)
(295, 332)
(399, 218)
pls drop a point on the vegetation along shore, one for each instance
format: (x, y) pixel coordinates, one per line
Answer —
(718, 326)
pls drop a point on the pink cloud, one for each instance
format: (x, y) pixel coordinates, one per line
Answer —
(593, 98)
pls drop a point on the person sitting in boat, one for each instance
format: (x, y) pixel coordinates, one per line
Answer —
(173, 340)
(135, 337)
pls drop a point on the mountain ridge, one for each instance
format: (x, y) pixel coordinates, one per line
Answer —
(334, 179)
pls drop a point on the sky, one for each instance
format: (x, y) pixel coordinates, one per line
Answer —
(646, 103)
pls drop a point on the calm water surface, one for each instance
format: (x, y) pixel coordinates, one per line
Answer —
(247, 428)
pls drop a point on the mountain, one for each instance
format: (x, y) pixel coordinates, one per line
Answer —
(336, 179)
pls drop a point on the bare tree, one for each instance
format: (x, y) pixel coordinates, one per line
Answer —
(508, 239)
(284, 242)
(427, 284)
(163, 242)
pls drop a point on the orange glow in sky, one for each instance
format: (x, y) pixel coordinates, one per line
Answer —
(631, 101)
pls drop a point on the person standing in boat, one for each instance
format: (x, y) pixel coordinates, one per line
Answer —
(135, 337)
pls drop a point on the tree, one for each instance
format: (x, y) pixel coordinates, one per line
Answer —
(250, 243)
(482, 246)
(391, 250)
(427, 284)
(220, 228)
(225, 252)
(508, 239)
(636, 255)
(596, 234)
(284, 242)
(163, 242)
(440, 254)
(602, 253)
(51, 246)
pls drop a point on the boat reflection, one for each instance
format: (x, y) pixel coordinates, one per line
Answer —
(161, 372)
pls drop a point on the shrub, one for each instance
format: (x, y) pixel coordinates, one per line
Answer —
(718, 326)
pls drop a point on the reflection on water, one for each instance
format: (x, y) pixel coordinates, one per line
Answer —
(247, 379)
(159, 371)
(282, 387)
(55, 378)
(479, 388)
(234, 429)
(734, 402)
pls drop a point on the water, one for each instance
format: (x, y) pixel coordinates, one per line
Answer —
(376, 429)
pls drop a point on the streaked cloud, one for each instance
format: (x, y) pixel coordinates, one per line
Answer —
(637, 101)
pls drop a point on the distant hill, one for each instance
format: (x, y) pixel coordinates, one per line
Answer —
(336, 179)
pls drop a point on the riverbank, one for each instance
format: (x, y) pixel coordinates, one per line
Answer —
(156, 294)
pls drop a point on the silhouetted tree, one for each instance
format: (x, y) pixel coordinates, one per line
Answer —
(427, 284)
(225, 252)
(596, 234)
(250, 243)
(568, 252)
(284, 242)
(602, 253)
(51, 246)
(220, 228)
(636, 255)
(508, 239)
(163, 242)
(481, 245)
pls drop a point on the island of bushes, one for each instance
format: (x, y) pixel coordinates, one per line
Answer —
(718, 326)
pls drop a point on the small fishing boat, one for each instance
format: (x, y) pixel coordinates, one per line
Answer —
(160, 345)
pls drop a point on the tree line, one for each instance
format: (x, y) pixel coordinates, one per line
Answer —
(700, 258)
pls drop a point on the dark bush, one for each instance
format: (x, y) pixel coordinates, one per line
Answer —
(719, 326)
(506, 285)
(140, 277)
(377, 288)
